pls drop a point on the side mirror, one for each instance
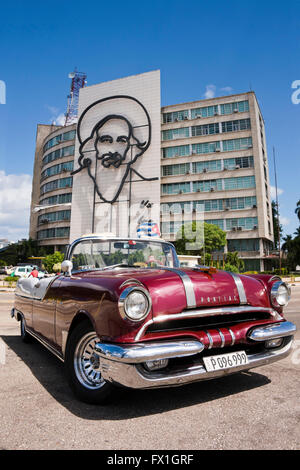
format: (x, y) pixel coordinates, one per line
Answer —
(66, 267)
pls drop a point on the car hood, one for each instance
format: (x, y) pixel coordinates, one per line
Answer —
(175, 290)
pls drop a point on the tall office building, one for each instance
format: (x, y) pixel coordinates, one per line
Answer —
(213, 155)
(52, 186)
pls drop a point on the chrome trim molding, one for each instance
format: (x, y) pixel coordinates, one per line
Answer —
(135, 376)
(232, 336)
(121, 303)
(274, 292)
(130, 282)
(187, 284)
(222, 337)
(211, 342)
(240, 287)
(47, 345)
(204, 312)
(276, 330)
(142, 352)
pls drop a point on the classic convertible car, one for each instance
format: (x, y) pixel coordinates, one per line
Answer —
(124, 313)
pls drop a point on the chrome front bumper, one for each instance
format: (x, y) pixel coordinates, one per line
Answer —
(123, 364)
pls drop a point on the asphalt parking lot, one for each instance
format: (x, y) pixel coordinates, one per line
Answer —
(259, 409)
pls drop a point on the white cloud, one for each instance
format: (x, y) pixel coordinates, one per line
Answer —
(210, 91)
(284, 220)
(57, 118)
(15, 198)
(227, 89)
(273, 192)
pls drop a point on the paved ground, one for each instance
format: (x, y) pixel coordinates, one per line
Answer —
(255, 410)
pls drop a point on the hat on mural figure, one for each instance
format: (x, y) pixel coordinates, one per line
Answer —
(112, 142)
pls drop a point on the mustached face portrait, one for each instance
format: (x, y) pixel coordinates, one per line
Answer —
(112, 143)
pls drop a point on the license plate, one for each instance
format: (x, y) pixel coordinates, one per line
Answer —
(225, 361)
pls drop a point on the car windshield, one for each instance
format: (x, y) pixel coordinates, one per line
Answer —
(100, 254)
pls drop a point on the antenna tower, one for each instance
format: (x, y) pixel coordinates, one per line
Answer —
(78, 81)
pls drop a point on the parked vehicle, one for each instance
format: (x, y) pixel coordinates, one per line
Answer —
(124, 313)
(22, 271)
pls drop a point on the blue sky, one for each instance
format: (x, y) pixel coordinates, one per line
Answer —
(237, 44)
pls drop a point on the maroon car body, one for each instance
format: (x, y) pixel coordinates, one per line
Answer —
(152, 325)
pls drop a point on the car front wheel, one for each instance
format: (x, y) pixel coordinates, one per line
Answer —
(82, 365)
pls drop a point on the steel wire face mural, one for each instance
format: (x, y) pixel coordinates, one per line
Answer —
(111, 140)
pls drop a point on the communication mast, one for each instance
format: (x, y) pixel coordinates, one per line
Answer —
(78, 81)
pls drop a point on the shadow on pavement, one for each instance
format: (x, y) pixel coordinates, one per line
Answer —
(49, 371)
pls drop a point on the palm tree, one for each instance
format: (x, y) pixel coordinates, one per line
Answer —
(297, 210)
(297, 233)
(287, 243)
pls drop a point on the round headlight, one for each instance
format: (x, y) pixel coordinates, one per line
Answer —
(134, 303)
(280, 294)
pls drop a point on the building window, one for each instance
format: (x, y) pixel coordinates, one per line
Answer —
(243, 223)
(238, 107)
(57, 199)
(172, 170)
(176, 188)
(247, 244)
(172, 227)
(218, 222)
(242, 182)
(239, 162)
(176, 207)
(179, 151)
(175, 116)
(57, 184)
(237, 144)
(59, 153)
(207, 111)
(180, 133)
(207, 129)
(208, 185)
(54, 217)
(57, 232)
(70, 135)
(234, 126)
(236, 203)
(56, 169)
(203, 167)
(208, 147)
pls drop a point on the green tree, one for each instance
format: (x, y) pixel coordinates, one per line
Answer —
(291, 247)
(214, 238)
(297, 210)
(51, 260)
(275, 225)
(21, 251)
(233, 260)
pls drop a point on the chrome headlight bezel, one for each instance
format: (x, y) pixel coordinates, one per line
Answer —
(275, 295)
(123, 300)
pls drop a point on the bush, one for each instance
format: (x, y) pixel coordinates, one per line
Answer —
(11, 278)
(50, 260)
(231, 268)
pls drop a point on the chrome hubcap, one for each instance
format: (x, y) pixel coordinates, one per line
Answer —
(87, 362)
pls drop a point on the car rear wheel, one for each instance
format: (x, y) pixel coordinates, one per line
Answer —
(82, 365)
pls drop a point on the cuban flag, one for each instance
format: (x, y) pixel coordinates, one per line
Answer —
(148, 229)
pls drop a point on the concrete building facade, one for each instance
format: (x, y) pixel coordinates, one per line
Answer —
(52, 186)
(212, 155)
